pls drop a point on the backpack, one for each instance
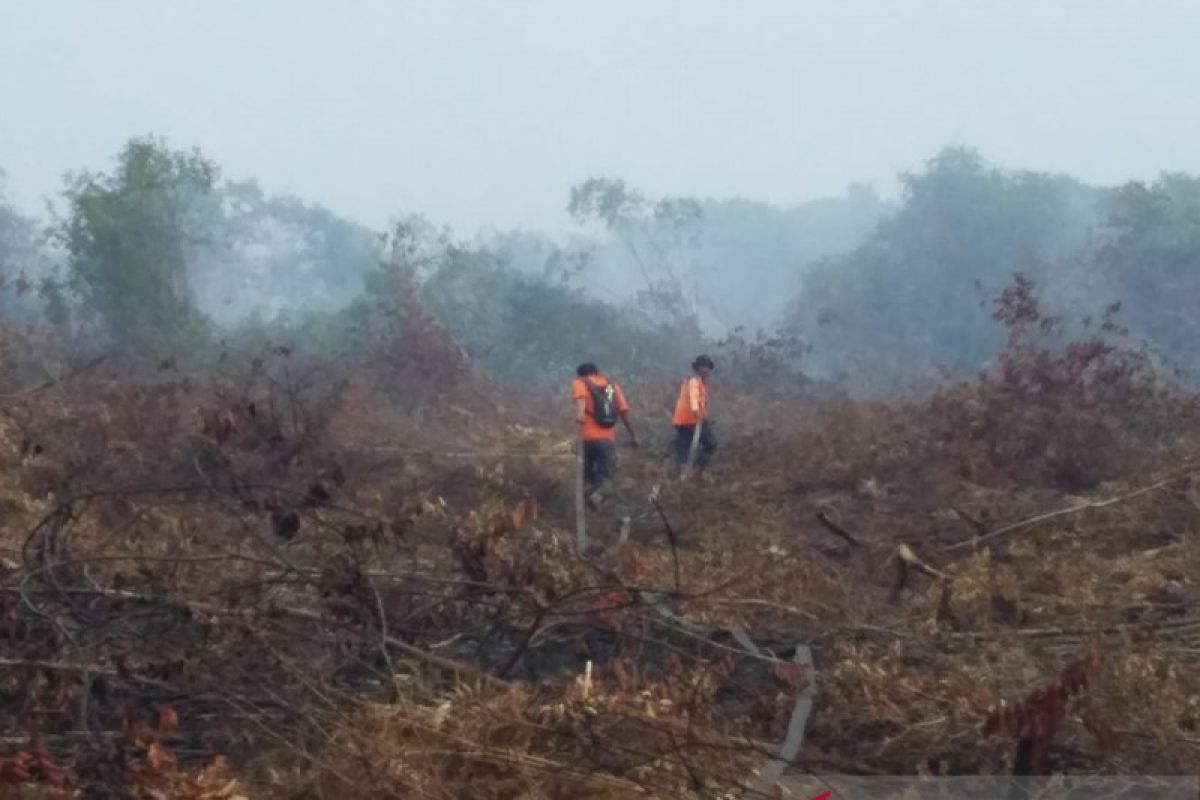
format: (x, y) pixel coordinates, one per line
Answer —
(604, 404)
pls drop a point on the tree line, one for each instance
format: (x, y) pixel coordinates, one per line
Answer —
(159, 258)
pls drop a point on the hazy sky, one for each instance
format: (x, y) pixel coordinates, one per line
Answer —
(485, 113)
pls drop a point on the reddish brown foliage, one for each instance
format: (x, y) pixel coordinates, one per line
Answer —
(352, 578)
(34, 766)
(1037, 720)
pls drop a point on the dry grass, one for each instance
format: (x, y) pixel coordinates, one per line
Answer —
(347, 592)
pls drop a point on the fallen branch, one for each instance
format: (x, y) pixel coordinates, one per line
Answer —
(837, 530)
(200, 608)
(794, 739)
(1062, 512)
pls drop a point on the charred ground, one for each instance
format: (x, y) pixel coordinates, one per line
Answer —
(301, 578)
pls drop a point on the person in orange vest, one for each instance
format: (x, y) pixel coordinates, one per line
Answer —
(691, 410)
(599, 403)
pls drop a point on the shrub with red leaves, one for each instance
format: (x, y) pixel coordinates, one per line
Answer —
(1037, 720)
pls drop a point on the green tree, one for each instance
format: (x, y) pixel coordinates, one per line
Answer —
(128, 236)
(908, 299)
(1149, 255)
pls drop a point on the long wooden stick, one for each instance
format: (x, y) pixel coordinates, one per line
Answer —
(580, 513)
(691, 459)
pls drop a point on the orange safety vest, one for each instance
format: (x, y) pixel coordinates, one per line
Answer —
(692, 393)
(590, 431)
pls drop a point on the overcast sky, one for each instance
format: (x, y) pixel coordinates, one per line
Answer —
(485, 113)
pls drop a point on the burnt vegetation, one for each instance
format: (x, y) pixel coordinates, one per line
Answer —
(333, 554)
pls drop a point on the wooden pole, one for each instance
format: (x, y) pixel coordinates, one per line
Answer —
(580, 511)
(691, 459)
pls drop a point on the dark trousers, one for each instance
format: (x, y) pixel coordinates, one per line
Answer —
(683, 443)
(599, 462)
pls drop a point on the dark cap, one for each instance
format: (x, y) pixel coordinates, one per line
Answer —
(703, 361)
